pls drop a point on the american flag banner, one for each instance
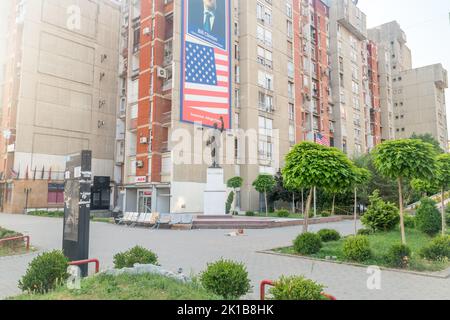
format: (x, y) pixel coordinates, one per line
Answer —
(206, 83)
(322, 140)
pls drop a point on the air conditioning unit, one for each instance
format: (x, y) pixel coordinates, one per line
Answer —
(146, 31)
(162, 73)
(143, 140)
(140, 164)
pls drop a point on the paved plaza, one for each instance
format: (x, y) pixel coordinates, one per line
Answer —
(192, 250)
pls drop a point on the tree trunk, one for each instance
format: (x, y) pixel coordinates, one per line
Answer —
(315, 202)
(443, 212)
(308, 206)
(400, 197)
(355, 213)
(303, 202)
(293, 202)
(265, 199)
(333, 211)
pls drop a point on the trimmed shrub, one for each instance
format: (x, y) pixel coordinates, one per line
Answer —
(229, 202)
(410, 221)
(227, 279)
(297, 288)
(46, 272)
(5, 233)
(364, 232)
(307, 243)
(250, 214)
(380, 215)
(428, 218)
(398, 256)
(328, 235)
(438, 249)
(325, 214)
(357, 248)
(283, 214)
(136, 255)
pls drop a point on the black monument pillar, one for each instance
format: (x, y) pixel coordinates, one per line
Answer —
(77, 202)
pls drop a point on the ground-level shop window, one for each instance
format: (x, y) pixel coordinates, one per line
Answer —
(55, 193)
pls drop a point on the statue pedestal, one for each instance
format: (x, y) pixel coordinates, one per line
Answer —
(215, 195)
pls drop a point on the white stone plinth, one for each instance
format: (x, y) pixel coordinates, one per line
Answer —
(215, 194)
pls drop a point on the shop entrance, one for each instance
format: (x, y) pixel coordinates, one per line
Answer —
(145, 201)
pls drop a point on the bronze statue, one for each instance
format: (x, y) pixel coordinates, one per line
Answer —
(214, 142)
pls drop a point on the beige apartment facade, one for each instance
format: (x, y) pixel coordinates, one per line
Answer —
(419, 100)
(348, 34)
(60, 97)
(413, 100)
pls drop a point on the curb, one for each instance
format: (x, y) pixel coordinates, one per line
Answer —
(445, 274)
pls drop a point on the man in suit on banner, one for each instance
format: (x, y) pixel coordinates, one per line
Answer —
(207, 18)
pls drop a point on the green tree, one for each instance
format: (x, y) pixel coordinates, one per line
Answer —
(402, 159)
(443, 180)
(281, 192)
(235, 183)
(428, 138)
(425, 187)
(264, 184)
(310, 166)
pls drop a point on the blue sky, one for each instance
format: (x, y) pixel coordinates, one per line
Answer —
(427, 27)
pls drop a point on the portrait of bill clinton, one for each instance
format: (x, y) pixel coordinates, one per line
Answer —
(206, 19)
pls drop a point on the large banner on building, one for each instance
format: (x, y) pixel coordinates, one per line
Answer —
(206, 62)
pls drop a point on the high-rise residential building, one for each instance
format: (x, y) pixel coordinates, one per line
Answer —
(413, 100)
(279, 94)
(394, 57)
(60, 91)
(351, 58)
(419, 103)
(313, 99)
(372, 96)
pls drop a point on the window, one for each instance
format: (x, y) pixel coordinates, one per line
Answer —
(291, 134)
(265, 80)
(290, 68)
(355, 87)
(265, 102)
(291, 90)
(55, 193)
(290, 32)
(265, 145)
(291, 111)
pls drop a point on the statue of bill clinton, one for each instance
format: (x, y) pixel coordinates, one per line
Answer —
(214, 142)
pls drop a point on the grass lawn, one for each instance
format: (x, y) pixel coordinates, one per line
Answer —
(9, 249)
(127, 287)
(60, 214)
(104, 220)
(380, 244)
(48, 214)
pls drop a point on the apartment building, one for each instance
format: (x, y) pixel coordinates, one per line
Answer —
(59, 97)
(412, 100)
(394, 57)
(279, 95)
(314, 98)
(419, 103)
(355, 91)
